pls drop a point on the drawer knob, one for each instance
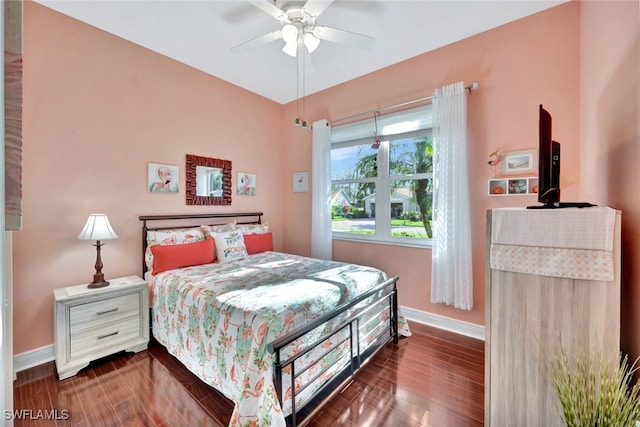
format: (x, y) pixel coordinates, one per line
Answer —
(113, 310)
(108, 335)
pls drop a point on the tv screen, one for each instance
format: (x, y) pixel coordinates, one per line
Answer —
(548, 162)
(549, 168)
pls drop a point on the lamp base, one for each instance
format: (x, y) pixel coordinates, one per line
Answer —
(100, 284)
(98, 278)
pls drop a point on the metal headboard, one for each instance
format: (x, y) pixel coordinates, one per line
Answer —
(174, 222)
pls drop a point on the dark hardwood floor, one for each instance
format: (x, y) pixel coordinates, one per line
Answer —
(434, 378)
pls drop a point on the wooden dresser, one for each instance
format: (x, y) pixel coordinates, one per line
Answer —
(525, 315)
(94, 323)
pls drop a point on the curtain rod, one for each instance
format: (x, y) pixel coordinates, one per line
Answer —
(472, 86)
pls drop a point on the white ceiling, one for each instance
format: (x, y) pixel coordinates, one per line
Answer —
(201, 33)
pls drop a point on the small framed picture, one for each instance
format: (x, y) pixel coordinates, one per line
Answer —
(246, 184)
(517, 186)
(520, 162)
(300, 182)
(162, 178)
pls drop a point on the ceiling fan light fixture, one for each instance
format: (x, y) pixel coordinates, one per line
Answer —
(290, 34)
(311, 42)
(290, 48)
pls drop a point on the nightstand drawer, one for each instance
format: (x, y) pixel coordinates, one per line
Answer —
(104, 336)
(95, 313)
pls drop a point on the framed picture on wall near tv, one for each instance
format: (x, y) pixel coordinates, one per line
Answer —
(517, 186)
(520, 162)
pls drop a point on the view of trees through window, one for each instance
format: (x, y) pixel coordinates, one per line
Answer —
(385, 192)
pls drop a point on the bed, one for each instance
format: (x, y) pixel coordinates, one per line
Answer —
(276, 333)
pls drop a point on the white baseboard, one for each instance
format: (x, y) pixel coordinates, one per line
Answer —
(31, 358)
(458, 326)
(42, 355)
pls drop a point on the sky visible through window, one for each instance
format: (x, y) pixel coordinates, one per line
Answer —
(344, 160)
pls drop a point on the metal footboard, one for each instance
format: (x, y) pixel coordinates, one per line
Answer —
(375, 303)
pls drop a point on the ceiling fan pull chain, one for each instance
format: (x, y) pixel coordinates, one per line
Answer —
(304, 106)
(297, 122)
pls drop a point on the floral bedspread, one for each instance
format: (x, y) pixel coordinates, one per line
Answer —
(217, 319)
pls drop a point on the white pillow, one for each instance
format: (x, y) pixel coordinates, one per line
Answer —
(230, 246)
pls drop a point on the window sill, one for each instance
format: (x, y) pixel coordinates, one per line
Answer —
(424, 244)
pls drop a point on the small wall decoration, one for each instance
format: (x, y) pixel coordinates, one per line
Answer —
(246, 184)
(162, 178)
(526, 185)
(300, 182)
(495, 157)
(517, 186)
(520, 162)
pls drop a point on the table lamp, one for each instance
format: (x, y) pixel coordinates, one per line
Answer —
(97, 228)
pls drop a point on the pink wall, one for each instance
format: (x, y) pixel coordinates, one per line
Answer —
(519, 65)
(96, 110)
(610, 130)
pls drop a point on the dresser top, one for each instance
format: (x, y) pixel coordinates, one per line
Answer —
(82, 290)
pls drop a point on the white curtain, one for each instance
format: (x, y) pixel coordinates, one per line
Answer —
(321, 191)
(451, 274)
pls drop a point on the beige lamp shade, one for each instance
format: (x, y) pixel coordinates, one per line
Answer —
(97, 228)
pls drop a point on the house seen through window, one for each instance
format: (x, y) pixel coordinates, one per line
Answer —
(382, 191)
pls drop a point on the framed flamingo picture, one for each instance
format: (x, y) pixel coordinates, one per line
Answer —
(162, 178)
(246, 184)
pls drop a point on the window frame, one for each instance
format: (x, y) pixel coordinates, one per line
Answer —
(383, 187)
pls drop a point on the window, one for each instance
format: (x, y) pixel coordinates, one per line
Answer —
(383, 192)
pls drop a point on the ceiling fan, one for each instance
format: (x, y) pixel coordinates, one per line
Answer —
(298, 20)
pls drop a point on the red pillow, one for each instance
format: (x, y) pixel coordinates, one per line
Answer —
(258, 242)
(166, 257)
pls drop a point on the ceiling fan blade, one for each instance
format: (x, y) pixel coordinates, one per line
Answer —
(269, 8)
(257, 42)
(316, 7)
(335, 35)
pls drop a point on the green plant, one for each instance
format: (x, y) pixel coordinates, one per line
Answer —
(594, 390)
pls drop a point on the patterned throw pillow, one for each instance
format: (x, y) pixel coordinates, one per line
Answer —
(254, 228)
(171, 237)
(222, 228)
(230, 246)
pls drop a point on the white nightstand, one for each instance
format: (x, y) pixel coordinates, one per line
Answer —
(94, 323)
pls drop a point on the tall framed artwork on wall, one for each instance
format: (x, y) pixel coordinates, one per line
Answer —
(246, 184)
(300, 182)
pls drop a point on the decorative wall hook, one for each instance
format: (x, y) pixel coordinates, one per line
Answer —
(376, 142)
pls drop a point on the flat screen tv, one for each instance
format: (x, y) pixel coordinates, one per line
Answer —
(549, 168)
